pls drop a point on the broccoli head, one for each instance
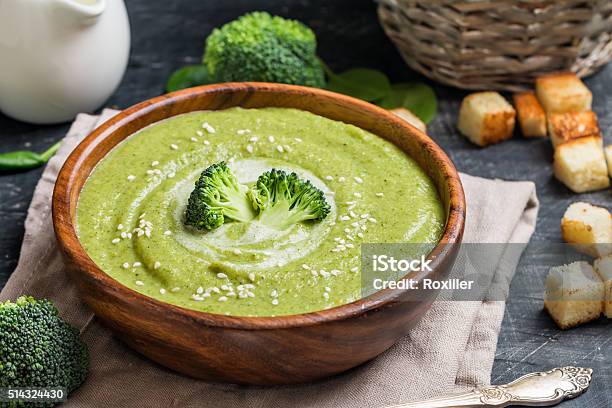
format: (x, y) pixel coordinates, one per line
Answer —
(218, 195)
(37, 348)
(259, 47)
(284, 199)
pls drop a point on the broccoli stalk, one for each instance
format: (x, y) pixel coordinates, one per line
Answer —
(259, 47)
(284, 199)
(218, 195)
(37, 348)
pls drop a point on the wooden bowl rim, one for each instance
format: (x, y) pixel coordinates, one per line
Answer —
(69, 242)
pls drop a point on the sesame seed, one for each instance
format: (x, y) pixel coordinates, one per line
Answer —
(193, 139)
(326, 295)
(200, 290)
(154, 163)
(237, 251)
(223, 299)
(327, 289)
(354, 269)
(136, 264)
(167, 232)
(129, 235)
(206, 142)
(352, 214)
(358, 180)
(116, 240)
(199, 133)
(347, 230)
(225, 288)
(341, 179)
(297, 139)
(197, 298)
(380, 194)
(249, 148)
(360, 235)
(173, 146)
(221, 275)
(287, 148)
(330, 178)
(175, 289)
(125, 265)
(324, 273)
(149, 172)
(119, 227)
(372, 220)
(280, 148)
(358, 195)
(139, 283)
(271, 139)
(274, 293)
(355, 224)
(275, 302)
(131, 177)
(363, 227)
(205, 295)
(156, 265)
(171, 175)
(253, 139)
(304, 266)
(314, 273)
(250, 294)
(162, 291)
(252, 277)
(243, 131)
(335, 272)
(345, 218)
(207, 127)
(349, 245)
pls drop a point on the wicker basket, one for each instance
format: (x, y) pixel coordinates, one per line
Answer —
(499, 44)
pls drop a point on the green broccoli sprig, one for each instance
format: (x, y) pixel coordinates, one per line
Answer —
(284, 199)
(218, 195)
(37, 348)
(259, 47)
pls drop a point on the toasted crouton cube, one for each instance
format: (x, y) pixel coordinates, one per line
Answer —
(603, 267)
(608, 152)
(574, 294)
(486, 118)
(563, 92)
(411, 118)
(531, 115)
(564, 127)
(588, 228)
(580, 164)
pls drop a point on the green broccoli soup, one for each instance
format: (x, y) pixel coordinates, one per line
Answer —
(145, 221)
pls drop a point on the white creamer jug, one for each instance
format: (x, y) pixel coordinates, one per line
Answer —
(60, 57)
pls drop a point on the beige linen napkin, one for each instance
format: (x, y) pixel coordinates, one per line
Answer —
(452, 349)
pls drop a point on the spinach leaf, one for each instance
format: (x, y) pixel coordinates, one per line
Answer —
(417, 97)
(363, 83)
(186, 77)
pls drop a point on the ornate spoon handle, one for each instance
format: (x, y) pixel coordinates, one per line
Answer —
(535, 389)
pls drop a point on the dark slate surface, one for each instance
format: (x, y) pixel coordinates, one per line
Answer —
(168, 34)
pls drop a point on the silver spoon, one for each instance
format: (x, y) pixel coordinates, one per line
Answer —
(535, 389)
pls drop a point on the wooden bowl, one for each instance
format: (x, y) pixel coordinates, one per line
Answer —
(255, 350)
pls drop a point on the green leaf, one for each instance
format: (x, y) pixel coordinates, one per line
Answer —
(417, 97)
(186, 77)
(363, 83)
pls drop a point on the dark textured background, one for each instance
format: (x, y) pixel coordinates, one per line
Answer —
(168, 34)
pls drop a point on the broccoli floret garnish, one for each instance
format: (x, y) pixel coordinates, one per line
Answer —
(218, 195)
(284, 199)
(259, 47)
(38, 349)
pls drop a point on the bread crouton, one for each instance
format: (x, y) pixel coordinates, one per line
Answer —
(588, 228)
(530, 113)
(563, 127)
(563, 92)
(574, 294)
(603, 267)
(486, 118)
(580, 164)
(411, 118)
(608, 153)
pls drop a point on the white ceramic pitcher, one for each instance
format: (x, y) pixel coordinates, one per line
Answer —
(60, 57)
